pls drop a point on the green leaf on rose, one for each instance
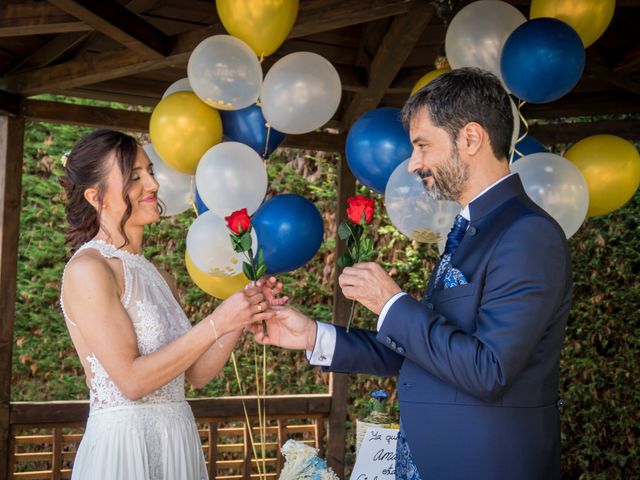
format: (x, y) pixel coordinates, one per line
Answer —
(344, 232)
(245, 241)
(248, 271)
(345, 260)
(366, 249)
(262, 269)
(237, 245)
(260, 257)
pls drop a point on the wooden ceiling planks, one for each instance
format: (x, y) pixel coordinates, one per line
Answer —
(119, 23)
(106, 61)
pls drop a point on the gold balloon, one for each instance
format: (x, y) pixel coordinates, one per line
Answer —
(611, 167)
(428, 77)
(590, 18)
(182, 128)
(219, 287)
(261, 24)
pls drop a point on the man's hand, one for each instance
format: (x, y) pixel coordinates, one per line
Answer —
(288, 328)
(368, 284)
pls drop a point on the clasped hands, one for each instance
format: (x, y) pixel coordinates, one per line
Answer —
(366, 283)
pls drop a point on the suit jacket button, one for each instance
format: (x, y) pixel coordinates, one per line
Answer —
(401, 350)
(388, 340)
(560, 403)
(393, 344)
(430, 306)
(472, 231)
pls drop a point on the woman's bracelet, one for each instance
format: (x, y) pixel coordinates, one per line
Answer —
(215, 332)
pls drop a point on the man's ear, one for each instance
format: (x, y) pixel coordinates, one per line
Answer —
(471, 137)
(91, 196)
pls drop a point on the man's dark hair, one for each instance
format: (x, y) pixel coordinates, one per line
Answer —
(466, 95)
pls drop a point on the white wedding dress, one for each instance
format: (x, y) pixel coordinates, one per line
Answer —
(155, 437)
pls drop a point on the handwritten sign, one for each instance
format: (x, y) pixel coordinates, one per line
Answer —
(376, 458)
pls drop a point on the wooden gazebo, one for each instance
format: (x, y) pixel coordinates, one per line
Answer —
(130, 51)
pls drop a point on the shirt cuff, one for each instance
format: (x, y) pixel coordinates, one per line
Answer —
(386, 308)
(323, 350)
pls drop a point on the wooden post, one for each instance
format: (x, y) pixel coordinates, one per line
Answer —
(246, 464)
(11, 145)
(339, 382)
(213, 449)
(56, 462)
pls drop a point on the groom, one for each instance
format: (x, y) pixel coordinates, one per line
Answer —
(478, 357)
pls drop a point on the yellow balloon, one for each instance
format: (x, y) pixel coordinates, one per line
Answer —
(182, 128)
(261, 24)
(611, 167)
(427, 78)
(219, 287)
(590, 18)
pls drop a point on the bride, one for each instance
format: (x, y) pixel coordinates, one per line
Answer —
(134, 341)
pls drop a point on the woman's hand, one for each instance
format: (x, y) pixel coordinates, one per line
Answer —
(241, 310)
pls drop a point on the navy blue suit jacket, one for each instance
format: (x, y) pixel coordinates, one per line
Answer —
(478, 363)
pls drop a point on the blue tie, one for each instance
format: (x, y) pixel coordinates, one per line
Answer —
(454, 238)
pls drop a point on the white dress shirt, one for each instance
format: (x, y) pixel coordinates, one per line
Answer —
(322, 354)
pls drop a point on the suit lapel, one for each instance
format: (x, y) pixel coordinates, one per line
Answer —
(481, 207)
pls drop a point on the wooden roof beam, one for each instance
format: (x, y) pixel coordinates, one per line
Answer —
(597, 66)
(36, 18)
(51, 51)
(9, 104)
(404, 32)
(322, 15)
(119, 23)
(555, 133)
(132, 121)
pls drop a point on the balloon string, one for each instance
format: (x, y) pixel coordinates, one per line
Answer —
(192, 200)
(246, 414)
(266, 143)
(262, 57)
(523, 121)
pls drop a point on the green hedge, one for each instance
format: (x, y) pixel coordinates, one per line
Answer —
(600, 357)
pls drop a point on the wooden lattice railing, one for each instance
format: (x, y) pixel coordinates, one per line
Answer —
(45, 436)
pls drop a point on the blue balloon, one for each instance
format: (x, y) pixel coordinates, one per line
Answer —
(200, 206)
(376, 144)
(527, 146)
(290, 230)
(248, 126)
(542, 60)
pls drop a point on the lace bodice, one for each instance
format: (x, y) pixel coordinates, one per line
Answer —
(157, 319)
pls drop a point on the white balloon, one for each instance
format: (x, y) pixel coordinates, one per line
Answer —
(413, 212)
(516, 126)
(556, 185)
(181, 85)
(209, 246)
(175, 190)
(301, 92)
(478, 32)
(225, 73)
(231, 176)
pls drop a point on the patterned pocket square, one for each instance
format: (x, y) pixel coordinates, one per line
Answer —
(453, 278)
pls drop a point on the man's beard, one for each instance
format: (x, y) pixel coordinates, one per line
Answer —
(449, 180)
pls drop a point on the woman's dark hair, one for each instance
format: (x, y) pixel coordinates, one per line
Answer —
(87, 166)
(466, 95)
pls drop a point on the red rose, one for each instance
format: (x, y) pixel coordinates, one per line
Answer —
(239, 221)
(359, 206)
